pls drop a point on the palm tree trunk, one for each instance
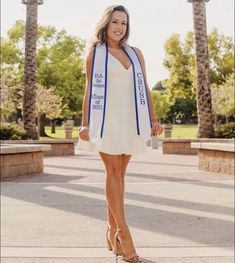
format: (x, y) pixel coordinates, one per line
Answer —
(29, 116)
(204, 106)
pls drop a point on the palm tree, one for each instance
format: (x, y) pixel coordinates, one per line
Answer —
(204, 106)
(29, 117)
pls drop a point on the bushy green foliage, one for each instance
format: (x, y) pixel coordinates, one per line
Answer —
(180, 87)
(12, 131)
(225, 130)
(161, 104)
(60, 61)
(223, 98)
(180, 62)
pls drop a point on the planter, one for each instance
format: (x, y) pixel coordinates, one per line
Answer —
(168, 130)
(68, 128)
(59, 147)
(215, 157)
(183, 145)
(68, 133)
(24, 159)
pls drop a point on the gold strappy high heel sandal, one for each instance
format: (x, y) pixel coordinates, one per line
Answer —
(119, 245)
(109, 244)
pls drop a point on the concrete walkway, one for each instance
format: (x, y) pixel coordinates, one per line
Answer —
(176, 213)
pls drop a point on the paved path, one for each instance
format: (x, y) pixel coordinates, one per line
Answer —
(176, 213)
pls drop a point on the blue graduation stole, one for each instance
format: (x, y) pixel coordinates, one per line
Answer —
(98, 91)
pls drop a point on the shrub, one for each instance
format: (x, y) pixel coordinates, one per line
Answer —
(225, 130)
(11, 131)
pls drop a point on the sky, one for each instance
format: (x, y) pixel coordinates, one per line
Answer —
(152, 22)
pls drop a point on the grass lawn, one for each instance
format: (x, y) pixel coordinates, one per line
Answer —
(184, 131)
(179, 131)
(59, 133)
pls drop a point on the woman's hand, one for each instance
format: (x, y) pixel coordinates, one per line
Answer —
(156, 129)
(84, 133)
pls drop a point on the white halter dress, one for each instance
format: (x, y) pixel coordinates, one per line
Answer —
(119, 136)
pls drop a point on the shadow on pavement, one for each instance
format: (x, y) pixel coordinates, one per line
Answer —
(151, 176)
(77, 199)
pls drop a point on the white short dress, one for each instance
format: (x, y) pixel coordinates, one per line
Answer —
(119, 134)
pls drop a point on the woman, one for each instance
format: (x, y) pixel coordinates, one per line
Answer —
(118, 116)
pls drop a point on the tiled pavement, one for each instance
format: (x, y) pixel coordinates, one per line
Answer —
(176, 213)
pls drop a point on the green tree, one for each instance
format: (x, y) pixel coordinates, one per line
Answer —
(159, 86)
(59, 62)
(161, 104)
(11, 94)
(184, 110)
(223, 99)
(180, 61)
(48, 104)
(221, 55)
(7, 102)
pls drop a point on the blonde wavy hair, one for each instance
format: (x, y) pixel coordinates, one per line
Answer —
(102, 26)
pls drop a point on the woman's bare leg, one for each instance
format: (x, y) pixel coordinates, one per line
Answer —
(112, 223)
(115, 167)
(114, 187)
(125, 160)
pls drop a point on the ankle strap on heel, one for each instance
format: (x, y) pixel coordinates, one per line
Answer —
(119, 229)
(111, 229)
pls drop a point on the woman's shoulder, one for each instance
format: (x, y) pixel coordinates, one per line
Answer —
(136, 49)
(139, 53)
(90, 53)
(89, 58)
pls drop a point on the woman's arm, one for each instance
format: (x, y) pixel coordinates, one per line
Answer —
(84, 130)
(85, 104)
